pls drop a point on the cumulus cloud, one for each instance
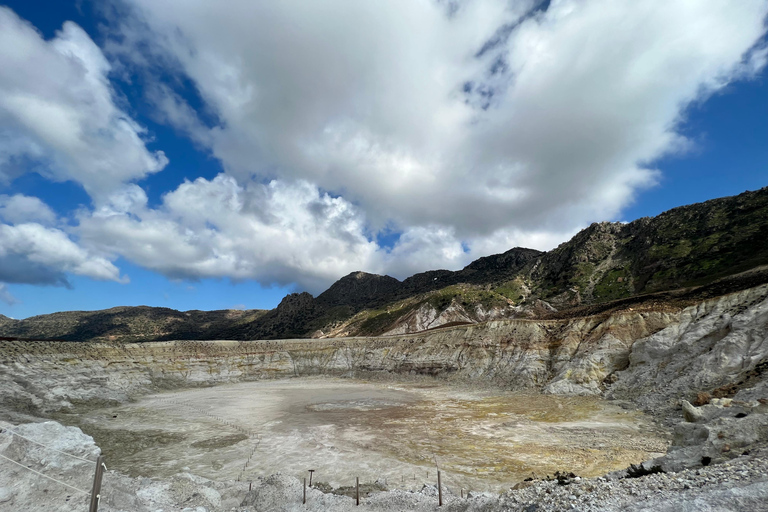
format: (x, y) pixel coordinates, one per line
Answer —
(34, 254)
(58, 114)
(276, 232)
(419, 248)
(466, 127)
(20, 208)
(488, 116)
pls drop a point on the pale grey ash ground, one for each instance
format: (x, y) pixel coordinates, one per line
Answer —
(716, 458)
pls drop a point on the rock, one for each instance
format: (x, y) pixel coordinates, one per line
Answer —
(213, 496)
(690, 413)
(715, 342)
(713, 441)
(6, 495)
(656, 357)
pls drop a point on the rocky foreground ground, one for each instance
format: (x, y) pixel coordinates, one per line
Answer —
(701, 370)
(740, 484)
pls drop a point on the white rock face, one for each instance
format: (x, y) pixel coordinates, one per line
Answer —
(427, 317)
(652, 357)
(718, 435)
(24, 489)
(715, 343)
(691, 414)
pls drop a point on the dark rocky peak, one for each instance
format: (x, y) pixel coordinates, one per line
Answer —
(360, 289)
(294, 301)
(594, 232)
(6, 321)
(124, 309)
(589, 245)
(682, 247)
(486, 270)
(429, 280)
(573, 262)
(694, 244)
(288, 320)
(511, 261)
(703, 219)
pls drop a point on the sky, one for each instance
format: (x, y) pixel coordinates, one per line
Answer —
(206, 155)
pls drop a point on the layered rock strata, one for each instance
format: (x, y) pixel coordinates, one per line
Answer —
(653, 357)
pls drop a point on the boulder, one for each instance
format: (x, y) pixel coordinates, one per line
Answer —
(691, 413)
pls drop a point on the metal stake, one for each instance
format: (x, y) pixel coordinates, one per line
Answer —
(96, 491)
(439, 490)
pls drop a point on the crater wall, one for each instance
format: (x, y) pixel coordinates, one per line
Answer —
(653, 356)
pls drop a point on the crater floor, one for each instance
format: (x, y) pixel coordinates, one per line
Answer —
(342, 428)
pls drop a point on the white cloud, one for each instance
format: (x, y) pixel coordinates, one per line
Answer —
(170, 108)
(468, 130)
(275, 232)
(19, 208)
(383, 103)
(32, 253)
(397, 110)
(6, 296)
(419, 248)
(57, 110)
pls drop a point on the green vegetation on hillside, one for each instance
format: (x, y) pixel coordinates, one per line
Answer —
(684, 247)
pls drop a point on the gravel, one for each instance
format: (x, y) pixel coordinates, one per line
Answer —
(740, 484)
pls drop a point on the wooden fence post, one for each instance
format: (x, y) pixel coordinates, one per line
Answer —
(439, 490)
(96, 490)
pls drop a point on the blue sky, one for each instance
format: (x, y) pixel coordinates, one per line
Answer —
(206, 158)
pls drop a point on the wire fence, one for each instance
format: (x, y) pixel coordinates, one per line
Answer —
(433, 477)
(11, 431)
(45, 476)
(255, 440)
(79, 460)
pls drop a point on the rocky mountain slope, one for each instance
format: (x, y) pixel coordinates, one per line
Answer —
(686, 246)
(126, 324)
(656, 356)
(701, 250)
(653, 356)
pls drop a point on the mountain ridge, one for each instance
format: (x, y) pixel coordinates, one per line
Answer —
(691, 246)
